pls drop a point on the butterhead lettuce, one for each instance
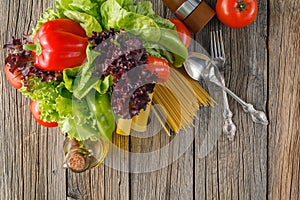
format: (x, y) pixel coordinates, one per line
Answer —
(116, 17)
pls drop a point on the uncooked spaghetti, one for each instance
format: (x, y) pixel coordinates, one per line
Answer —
(180, 97)
(203, 97)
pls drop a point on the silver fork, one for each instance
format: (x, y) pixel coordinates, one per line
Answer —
(218, 56)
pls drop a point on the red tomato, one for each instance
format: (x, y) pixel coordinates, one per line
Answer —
(13, 78)
(160, 66)
(236, 13)
(34, 109)
(183, 32)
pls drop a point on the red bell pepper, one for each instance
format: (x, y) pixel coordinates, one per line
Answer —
(59, 44)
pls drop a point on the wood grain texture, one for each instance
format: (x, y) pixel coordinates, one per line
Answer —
(32, 156)
(174, 181)
(284, 100)
(262, 163)
(238, 169)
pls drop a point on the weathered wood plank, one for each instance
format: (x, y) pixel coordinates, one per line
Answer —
(116, 184)
(236, 170)
(173, 175)
(146, 183)
(284, 100)
(32, 156)
(262, 68)
(174, 181)
(102, 182)
(79, 185)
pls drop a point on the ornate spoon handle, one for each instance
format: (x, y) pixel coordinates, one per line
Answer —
(256, 115)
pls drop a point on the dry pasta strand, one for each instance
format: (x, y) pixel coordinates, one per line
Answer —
(181, 97)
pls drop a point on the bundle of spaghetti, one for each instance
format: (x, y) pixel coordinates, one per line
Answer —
(178, 99)
(203, 97)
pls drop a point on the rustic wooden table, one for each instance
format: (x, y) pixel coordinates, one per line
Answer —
(261, 163)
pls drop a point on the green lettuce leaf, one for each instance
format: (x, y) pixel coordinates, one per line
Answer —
(83, 6)
(143, 8)
(84, 12)
(114, 16)
(69, 75)
(159, 51)
(87, 22)
(84, 81)
(46, 93)
(146, 8)
(76, 120)
(79, 80)
(104, 85)
(163, 23)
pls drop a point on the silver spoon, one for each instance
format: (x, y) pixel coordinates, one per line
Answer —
(199, 66)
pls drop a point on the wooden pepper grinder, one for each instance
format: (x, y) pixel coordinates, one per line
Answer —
(193, 13)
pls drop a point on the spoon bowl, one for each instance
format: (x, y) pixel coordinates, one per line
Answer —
(196, 64)
(200, 66)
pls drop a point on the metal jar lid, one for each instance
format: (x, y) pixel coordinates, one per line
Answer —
(186, 8)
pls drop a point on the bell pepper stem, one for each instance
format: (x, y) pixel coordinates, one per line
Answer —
(34, 47)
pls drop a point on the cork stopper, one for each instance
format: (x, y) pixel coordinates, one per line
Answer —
(199, 17)
(77, 162)
(194, 13)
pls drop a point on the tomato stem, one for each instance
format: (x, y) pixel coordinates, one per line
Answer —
(241, 5)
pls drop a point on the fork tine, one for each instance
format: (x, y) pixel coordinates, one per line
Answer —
(212, 47)
(222, 45)
(217, 41)
(215, 44)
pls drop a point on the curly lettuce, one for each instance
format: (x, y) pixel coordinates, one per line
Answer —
(45, 93)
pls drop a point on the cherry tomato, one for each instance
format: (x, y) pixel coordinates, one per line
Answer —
(183, 32)
(13, 78)
(160, 66)
(34, 109)
(236, 13)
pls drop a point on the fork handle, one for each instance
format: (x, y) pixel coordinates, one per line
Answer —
(214, 76)
(256, 115)
(229, 128)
